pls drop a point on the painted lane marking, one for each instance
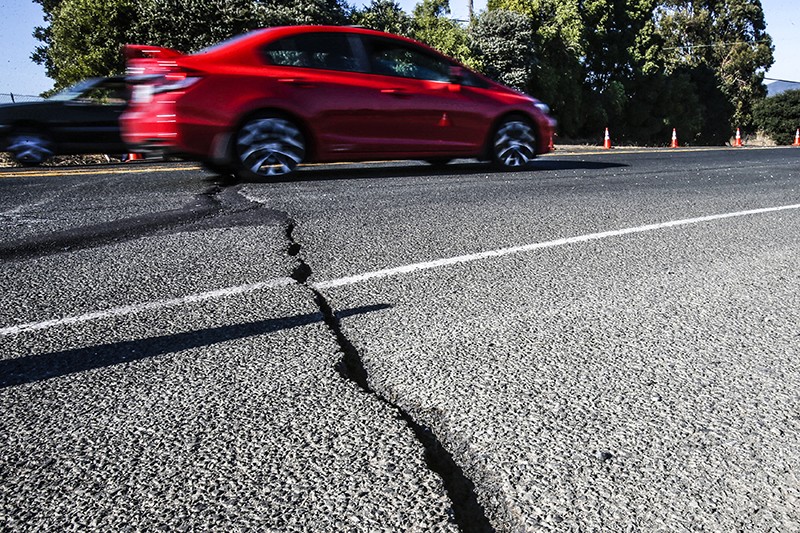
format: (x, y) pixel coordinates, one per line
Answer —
(92, 172)
(61, 171)
(161, 304)
(566, 151)
(389, 272)
(416, 267)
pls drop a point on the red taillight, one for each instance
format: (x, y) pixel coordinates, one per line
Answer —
(143, 51)
(175, 81)
(145, 86)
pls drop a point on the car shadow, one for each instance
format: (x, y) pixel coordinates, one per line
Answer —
(40, 367)
(404, 170)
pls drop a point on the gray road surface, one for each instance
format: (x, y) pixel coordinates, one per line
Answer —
(466, 349)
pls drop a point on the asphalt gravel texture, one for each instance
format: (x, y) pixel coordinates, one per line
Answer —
(633, 382)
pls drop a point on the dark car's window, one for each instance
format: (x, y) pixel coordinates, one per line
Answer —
(97, 91)
(330, 51)
(391, 58)
(111, 94)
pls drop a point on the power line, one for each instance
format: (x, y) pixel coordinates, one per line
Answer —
(715, 45)
(785, 81)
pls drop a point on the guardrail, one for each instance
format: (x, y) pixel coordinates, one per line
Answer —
(12, 98)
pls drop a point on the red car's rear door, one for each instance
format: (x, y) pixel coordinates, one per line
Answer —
(322, 79)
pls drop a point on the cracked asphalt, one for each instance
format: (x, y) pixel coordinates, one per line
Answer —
(160, 369)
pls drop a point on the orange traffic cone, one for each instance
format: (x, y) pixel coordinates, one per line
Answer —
(552, 146)
(796, 138)
(133, 157)
(738, 141)
(674, 143)
(607, 141)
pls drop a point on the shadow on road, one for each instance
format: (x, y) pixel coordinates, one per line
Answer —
(215, 208)
(33, 368)
(404, 170)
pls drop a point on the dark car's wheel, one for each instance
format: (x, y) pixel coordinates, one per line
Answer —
(514, 144)
(30, 147)
(268, 146)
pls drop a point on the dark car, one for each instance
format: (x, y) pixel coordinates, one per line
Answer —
(83, 119)
(264, 102)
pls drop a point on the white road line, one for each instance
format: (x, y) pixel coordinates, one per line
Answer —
(389, 272)
(131, 309)
(407, 269)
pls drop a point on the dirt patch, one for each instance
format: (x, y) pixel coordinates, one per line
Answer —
(65, 160)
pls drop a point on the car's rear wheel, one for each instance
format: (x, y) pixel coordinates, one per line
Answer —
(267, 147)
(514, 144)
(30, 147)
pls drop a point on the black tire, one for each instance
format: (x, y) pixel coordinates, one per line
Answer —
(514, 144)
(267, 147)
(30, 147)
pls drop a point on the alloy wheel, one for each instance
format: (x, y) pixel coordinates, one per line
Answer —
(30, 148)
(269, 146)
(514, 144)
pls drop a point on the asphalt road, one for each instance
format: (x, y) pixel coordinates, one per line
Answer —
(608, 342)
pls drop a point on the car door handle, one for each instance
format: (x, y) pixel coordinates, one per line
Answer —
(296, 82)
(397, 93)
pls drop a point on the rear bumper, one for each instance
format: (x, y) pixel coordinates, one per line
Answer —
(151, 131)
(142, 130)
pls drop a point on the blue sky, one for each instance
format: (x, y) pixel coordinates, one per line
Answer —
(19, 75)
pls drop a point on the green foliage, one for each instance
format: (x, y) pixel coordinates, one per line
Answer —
(501, 45)
(85, 37)
(728, 36)
(384, 15)
(184, 24)
(434, 28)
(779, 116)
(559, 74)
(640, 67)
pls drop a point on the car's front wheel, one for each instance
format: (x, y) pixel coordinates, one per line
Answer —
(268, 146)
(30, 147)
(514, 144)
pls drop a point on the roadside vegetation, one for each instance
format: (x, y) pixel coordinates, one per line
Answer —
(779, 117)
(639, 67)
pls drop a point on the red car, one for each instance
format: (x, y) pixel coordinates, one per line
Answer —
(262, 103)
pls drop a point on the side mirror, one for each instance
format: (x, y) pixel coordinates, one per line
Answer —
(456, 75)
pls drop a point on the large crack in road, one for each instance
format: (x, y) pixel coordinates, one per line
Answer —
(468, 513)
(220, 207)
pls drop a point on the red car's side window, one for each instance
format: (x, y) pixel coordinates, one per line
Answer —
(330, 51)
(397, 59)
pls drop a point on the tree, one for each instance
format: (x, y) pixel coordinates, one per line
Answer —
(184, 24)
(729, 36)
(432, 26)
(84, 38)
(384, 15)
(43, 34)
(779, 116)
(558, 74)
(501, 46)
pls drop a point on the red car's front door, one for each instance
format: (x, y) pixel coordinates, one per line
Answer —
(417, 107)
